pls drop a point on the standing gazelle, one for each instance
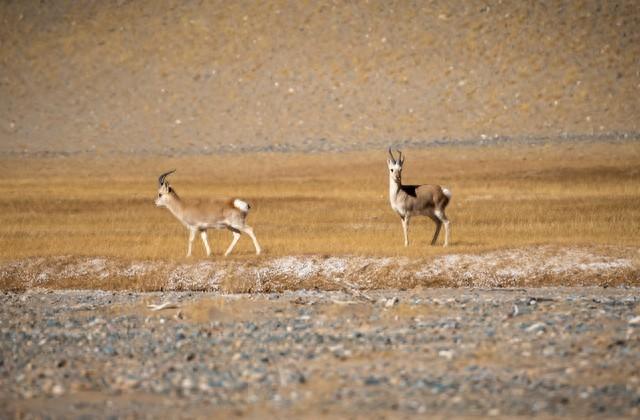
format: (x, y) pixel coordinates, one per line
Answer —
(417, 200)
(199, 217)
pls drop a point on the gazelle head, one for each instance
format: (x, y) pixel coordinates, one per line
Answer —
(164, 190)
(395, 166)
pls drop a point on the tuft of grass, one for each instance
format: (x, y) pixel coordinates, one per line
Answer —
(327, 204)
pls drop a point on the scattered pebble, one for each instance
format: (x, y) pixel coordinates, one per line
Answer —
(451, 352)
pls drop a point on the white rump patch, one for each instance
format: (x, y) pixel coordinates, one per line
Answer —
(241, 205)
(446, 192)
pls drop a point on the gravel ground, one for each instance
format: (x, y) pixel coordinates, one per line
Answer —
(443, 352)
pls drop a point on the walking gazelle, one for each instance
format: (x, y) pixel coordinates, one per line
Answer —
(198, 217)
(417, 200)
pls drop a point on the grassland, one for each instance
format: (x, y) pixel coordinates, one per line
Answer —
(324, 204)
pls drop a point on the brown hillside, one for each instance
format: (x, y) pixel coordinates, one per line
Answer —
(166, 76)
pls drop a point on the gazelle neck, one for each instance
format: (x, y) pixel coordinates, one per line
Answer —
(175, 206)
(394, 186)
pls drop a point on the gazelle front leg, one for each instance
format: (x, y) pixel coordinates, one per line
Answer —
(405, 229)
(192, 236)
(203, 235)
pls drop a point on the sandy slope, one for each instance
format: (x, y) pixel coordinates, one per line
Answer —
(168, 76)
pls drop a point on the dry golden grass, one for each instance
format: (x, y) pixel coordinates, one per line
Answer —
(503, 197)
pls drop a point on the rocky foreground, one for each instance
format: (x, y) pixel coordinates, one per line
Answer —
(444, 352)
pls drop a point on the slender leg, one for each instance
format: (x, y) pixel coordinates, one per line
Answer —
(446, 232)
(442, 218)
(405, 229)
(192, 235)
(437, 232)
(249, 231)
(236, 236)
(203, 235)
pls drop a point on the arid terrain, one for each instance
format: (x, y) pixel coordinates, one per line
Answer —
(172, 76)
(560, 214)
(532, 310)
(527, 111)
(569, 352)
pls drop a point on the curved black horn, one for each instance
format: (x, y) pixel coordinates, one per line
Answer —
(163, 176)
(399, 156)
(393, 159)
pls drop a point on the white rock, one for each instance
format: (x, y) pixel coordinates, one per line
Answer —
(538, 326)
(392, 301)
(57, 390)
(447, 354)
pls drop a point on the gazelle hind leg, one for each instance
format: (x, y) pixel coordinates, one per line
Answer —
(236, 236)
(446, 232)
(192, 236)
(249, 231)
(437, 232)
(443, 219)
(203, 235)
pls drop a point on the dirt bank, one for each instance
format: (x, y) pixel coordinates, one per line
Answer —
(528, 267)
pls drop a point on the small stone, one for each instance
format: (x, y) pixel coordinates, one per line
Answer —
(539, 406)
(57, 390)
(372, 380)
(187, 383)
(447, 354)
(538, 326)
(549, 351)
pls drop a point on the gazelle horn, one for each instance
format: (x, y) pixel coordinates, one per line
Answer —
(163, 176)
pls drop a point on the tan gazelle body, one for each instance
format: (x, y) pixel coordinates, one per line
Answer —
(200, 216)
(417, 200)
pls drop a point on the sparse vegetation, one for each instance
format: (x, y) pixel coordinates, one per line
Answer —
(325, 204)
(526, 111)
